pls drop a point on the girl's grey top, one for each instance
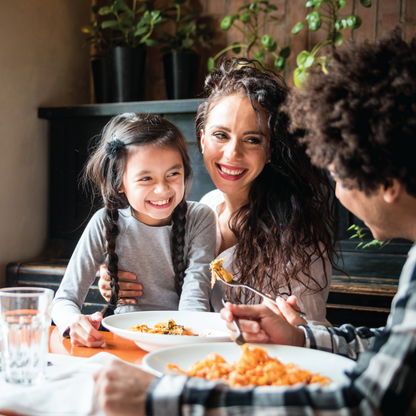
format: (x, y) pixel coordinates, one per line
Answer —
(146, 252)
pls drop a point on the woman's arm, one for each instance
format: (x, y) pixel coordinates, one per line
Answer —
(201, 251)
(128, 290)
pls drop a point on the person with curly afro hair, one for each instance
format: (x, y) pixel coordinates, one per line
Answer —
(359, 121)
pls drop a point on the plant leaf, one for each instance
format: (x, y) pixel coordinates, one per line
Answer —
(285, 52)
(297, 28)
(299, 77)
(211, 64)
(365, 3)
(152, 43)
(109, 23)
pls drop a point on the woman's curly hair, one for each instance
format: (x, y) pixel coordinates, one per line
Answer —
(361, 116)
(287, 219)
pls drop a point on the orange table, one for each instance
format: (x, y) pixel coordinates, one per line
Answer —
(120, 347)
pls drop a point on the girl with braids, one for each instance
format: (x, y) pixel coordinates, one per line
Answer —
(142, 170)
(275, 226)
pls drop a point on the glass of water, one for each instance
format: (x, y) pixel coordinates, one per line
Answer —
(25, 319)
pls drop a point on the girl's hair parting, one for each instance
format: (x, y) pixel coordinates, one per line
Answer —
(289, 216)
(104, 173)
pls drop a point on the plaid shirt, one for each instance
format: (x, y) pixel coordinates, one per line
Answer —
(382, 382)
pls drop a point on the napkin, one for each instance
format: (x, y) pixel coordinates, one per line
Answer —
(68, 389)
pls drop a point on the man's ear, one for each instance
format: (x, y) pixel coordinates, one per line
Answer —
(392, 191)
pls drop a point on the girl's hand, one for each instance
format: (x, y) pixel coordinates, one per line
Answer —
(121, 389)
(127, 290)
(287, 309)
(263, 325)
(84, 331)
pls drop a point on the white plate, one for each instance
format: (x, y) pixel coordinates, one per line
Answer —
(328, 365)
(208, 324)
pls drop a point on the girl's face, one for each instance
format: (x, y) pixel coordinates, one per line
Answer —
(234, 151)
(154, 183)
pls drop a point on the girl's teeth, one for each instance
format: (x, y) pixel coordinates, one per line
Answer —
(231, 172)
(159, 202)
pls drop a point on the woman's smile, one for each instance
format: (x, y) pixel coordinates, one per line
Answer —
(231, 173)
(235, 146)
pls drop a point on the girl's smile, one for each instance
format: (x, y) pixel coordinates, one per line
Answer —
(154, 183)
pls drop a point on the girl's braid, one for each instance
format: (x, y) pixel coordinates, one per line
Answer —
(111, 233)
(178, 243)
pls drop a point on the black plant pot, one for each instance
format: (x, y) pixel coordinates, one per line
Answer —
(127, 69)
(101, 76)
(181, 74)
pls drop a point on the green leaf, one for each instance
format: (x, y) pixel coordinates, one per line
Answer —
(236, 49)
(105, 10)
(339, 38)
(365, 3)
(267, 41)
(227, 22)
(272, 47)
(211, 64)
(352, 227)
(280, 63)
(341, 4)
(140, 31)
(285, 52)
(354, 22)
(151, 42)
(309, 3)
(299, 77)
(272, 7)
(109, 23)
(354, 236)
(340, 24)
(245, 17)
(304, 59)
(315, 25)
(297, 28)
(316, 4)
(187, 43)
(259, 55)
(243, 7)
(359, 245)
(313, 17)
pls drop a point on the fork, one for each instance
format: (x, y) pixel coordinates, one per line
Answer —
(240, 339)
(233, 283)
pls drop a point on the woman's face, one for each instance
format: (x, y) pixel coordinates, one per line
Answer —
(234, 151)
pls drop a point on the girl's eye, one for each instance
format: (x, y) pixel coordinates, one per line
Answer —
(174, 174)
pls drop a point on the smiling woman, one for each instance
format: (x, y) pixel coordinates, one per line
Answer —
(272, 205)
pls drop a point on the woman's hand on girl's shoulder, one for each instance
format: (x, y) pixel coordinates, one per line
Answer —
(128, 290)
(83, 331)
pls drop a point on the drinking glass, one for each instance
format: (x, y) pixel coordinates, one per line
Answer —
(25, 319)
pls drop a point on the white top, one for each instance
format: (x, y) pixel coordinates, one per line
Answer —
(313, 304)
(146, 252)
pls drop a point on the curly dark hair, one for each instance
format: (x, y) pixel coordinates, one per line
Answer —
(361, 116)
(288, 217)
(104, 173)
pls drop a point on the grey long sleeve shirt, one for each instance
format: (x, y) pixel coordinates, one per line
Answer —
(146, 252)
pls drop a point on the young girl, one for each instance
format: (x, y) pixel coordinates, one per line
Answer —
(142, 170)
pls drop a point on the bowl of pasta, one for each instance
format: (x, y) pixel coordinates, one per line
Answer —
(151, 330)
(251, 364)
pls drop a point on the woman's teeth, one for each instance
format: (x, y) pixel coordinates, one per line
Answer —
(164, 202)
(231, 172)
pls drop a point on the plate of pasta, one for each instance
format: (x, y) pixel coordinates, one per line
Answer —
(251, 364)
(151, 330)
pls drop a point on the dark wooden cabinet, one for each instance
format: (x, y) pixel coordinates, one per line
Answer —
(362, 298)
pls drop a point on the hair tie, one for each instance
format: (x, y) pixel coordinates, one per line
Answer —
(113, 148)
(112, 306)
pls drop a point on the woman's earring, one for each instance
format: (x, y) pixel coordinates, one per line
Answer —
(202, 151)
(268, 161)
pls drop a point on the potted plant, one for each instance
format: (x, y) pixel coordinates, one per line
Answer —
(129, 30)
(181, 62)
(250, 20)
(327, 12)
(99, 39)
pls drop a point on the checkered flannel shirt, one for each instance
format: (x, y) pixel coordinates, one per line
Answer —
(382, 382)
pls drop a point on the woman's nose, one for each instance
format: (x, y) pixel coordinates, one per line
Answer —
(233, 150)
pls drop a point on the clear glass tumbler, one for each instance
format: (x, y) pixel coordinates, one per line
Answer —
(25, 319)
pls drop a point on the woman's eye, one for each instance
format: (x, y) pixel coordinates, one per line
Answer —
(147, 178)
(220, 135)
(253, 140)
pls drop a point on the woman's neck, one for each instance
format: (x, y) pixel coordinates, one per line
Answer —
(235, 201)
